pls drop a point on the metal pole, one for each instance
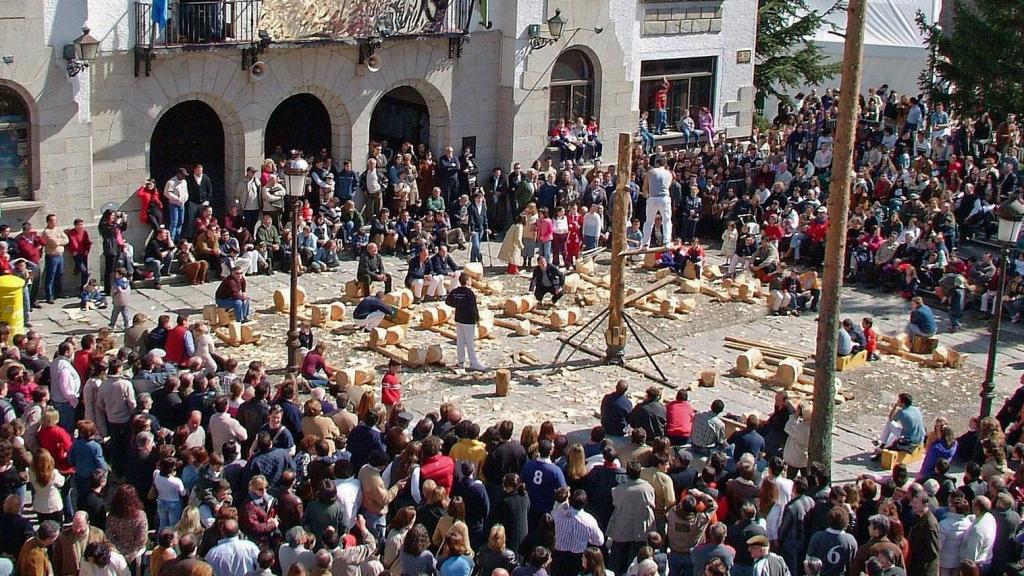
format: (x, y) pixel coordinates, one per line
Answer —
(820, 448)
(988, 386)
(293, 309)
(615, 335)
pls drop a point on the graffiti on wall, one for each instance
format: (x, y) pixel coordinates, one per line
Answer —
(307, 19)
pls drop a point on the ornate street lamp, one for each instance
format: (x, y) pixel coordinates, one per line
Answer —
(555, 26)
(81, 53)
(1010, 215)
(295, 177)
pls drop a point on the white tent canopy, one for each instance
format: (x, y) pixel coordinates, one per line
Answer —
(894, 48)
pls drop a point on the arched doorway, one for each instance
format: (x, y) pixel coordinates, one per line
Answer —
(189, 133)
(572, 87)
(400, 116)
(15, 147)
(299, 122)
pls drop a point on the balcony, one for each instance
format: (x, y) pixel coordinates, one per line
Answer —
(197, 24)
(255, 25)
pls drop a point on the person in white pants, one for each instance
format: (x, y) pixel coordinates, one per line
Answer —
(420, 275)
(371, 311)
(656, 187)
(445, 270)
(466, 317)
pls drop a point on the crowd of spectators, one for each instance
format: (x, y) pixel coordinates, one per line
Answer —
(157, 454)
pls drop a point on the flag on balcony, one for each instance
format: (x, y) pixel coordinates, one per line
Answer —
(160, 13)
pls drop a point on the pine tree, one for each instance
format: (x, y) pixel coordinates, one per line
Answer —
(979, 64)
(786, 53)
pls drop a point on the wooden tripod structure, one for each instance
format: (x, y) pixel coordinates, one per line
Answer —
(618, 321)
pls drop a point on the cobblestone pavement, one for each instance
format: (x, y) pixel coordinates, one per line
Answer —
(569, 394)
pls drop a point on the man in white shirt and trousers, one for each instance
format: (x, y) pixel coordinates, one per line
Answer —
(656, 188)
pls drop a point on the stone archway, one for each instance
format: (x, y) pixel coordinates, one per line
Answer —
(188, 133)
(426, 114)
(301, 122)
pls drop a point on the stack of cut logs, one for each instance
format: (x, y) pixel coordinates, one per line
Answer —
(788, 362)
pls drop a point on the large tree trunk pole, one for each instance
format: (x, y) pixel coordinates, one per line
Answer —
(820, 449)
(615, 335)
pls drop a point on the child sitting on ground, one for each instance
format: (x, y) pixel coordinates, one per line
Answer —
(92, 296)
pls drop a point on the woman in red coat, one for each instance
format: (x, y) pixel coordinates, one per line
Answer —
(152, 212)
(574, 242)
(57, 442)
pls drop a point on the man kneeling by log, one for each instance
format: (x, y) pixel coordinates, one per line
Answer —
(547, 279)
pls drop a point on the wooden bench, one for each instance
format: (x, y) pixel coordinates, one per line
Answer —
(852, 361)
(890, 458)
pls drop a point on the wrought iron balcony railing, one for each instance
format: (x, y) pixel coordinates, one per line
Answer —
(200, 23)
(234, 22)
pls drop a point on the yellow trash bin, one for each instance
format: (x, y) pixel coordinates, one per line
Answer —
(12, 303)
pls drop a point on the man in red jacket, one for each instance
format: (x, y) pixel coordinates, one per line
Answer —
(436, 466)
(78, 246)
(679, 419)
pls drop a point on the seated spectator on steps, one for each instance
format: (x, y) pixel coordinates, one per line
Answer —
(326, 258)
(904, 428)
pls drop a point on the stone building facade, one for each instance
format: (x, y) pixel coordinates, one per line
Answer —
(93, 139)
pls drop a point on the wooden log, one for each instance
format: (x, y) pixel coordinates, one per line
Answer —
(690, 271)
(599, 281)
(708, 379)
(719, 294)
(585, 266)
(417, 357)
(558, 318)
(511, 306)
(686, 305)
(484, 329)
(349, 377)
(318, 315)
(788, 372)
(210, 314)
(668, 306)
(394, 335)
(711, 272)
(378, 336)
(793, 351)
(651, 260)
(524, 328)
(663, 273)
(429, 317)
(402, 316)
(282, 298)
(747, 290)
(527, 303)
(923, 344)
(572, 283)
(338, 312)
(955, 359)
(574, 316)
(690, 286)
(502, 380)
(749, 360)
(354, 289)
(435, 354)
(474, 270)
(401, 298)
